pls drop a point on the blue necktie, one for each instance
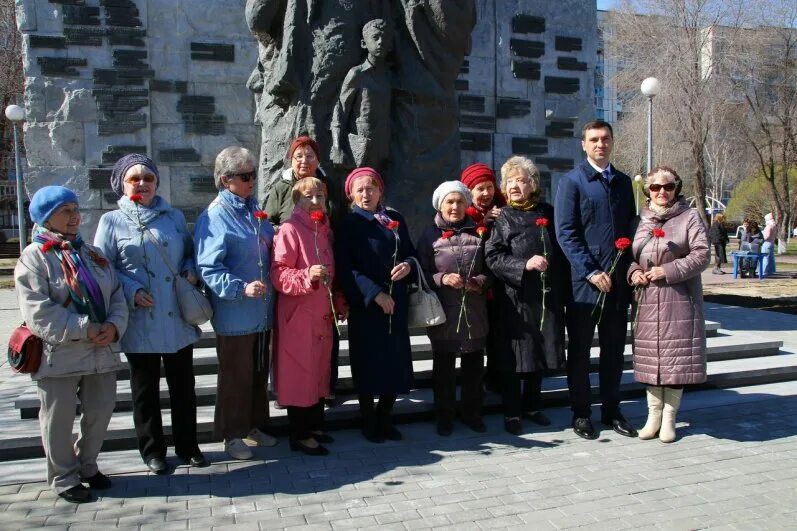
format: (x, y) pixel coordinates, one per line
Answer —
(607, 175)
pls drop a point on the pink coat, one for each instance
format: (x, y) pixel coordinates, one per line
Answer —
(303, 332)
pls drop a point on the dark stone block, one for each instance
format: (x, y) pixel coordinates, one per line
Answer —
(100, 178)
(509, 108)
(84, 35)
(60, 66)
(571, 63)
(545, 181)
(526, 69)
(122, 76)
(567, 44)
(202, 184)
(115, 123)
(523, 48)
(206, 51)
(465, 68)
(124, 40)
(41, 41)
(162, 85)
(471, 103)
(477, 122)
(461, 85)
(197, 104)
(528, 24)
(116, 104)
(118, 3)
(559, 129)
(203, 124)
(68, 2)
(179, 155)
(120, 91)
(556, 163)
(562, 85)
(470, 141)
(114, 153)
(81, 15)
(529, 145)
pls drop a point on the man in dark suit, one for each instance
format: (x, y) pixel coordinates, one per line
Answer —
(594, 207)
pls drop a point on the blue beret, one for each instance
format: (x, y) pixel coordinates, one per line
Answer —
(47, 200)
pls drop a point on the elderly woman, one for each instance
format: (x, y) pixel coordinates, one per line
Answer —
(670, 251)
(372, 269)
(71, 298)
(303, 160)
(156, 330)
(302, 270)
(451, 253)
(233, 242)
(523, 253)
(487, 202)
(718, 236)
(752, 241)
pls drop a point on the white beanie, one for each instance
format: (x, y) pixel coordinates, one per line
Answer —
(450, 187)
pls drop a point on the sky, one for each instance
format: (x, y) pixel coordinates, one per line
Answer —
(606, 4)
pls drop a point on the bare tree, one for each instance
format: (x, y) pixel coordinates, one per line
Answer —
(672, 40)
(765, 76)
(12, 78)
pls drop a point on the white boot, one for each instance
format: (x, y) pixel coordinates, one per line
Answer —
(672, 401)
(655, 406)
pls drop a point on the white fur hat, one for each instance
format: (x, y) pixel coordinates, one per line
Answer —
(450, 187)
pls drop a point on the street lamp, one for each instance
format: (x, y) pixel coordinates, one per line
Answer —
(650, 88)
(16, 114)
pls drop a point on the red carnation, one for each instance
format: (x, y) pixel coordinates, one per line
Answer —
(46, 246)
(317, 216)
(481, 230)
(447, 234)
(136, 198)
(472, 211)
(261, 215)
(658, 233)
(622, 244)
(542, 222)
(393, 225)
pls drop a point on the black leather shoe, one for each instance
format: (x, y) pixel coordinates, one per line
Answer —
(197, 460)
(513, 426)
(539, 418)
(476, 424)
(77, 494)
(445, 428)
(582, 426)
(297, 446)
(373, 435)
(388, 432)
(98, 481)
(323, 438)
(621, 426)
(157, 465)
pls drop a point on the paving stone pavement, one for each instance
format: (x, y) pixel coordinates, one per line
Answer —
(734, 467)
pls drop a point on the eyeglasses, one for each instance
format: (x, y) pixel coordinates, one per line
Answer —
(136, 179)
(669, 187)
(245, 177)
(309, 158)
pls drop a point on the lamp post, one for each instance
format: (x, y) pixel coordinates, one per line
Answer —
(16, 114)
(637, 186)
(650, 88)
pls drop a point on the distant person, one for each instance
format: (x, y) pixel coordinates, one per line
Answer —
(770, 233)
(670, 335)
(718, 236)
(752, 241)
(70, 296)
(595, 207)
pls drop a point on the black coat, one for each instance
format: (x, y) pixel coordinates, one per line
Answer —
(381, 359)
(514, 239)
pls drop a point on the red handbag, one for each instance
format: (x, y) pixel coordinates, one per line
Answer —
(24, 350)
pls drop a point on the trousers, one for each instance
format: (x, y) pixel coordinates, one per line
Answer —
(521, 392)
(445, 386)
(303, 421)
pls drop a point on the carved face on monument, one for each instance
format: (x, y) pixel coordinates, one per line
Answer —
(366, 193)
(304, 162)
(140, 180)
(377, 38)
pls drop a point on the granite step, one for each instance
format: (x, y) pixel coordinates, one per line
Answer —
(25, 441)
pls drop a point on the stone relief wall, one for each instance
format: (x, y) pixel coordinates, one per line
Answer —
(169, 78)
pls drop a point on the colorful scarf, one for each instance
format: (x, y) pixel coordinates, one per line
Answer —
(382, 217)
(526, 206)
(83, 289)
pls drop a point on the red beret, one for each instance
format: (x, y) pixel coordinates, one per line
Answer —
(477, 173)
(304, 141)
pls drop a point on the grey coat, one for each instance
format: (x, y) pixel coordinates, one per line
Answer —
(670, 336)
(41, 291)
(439, 256)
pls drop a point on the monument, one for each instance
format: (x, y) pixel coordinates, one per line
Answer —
(470, 80)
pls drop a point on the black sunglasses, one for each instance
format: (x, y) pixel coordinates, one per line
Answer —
(245, 177)
(668, 187)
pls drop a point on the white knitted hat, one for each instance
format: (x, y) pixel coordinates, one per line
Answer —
(450, 187)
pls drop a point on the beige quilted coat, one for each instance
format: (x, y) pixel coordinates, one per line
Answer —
(670, 334)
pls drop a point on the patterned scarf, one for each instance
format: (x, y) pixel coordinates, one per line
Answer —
(83, 289)
(382, 217)
(525, 206)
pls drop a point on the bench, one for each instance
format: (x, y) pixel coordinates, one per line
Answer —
(758, 258)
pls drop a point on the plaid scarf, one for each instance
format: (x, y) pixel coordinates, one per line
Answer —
(83, 289)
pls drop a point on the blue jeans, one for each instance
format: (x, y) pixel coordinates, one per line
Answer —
(768, 249)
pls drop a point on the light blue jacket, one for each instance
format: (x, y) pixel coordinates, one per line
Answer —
(233, 248)
(161, 328)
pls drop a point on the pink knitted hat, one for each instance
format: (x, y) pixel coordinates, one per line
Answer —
(362, 172)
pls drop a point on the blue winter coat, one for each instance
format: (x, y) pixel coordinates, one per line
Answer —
(590, 215)
(381, 359)
(233, 248)
(161, 328)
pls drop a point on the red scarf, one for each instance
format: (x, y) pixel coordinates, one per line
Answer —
(477, 213)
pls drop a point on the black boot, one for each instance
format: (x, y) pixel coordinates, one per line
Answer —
(384, 421)
(370, 426)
